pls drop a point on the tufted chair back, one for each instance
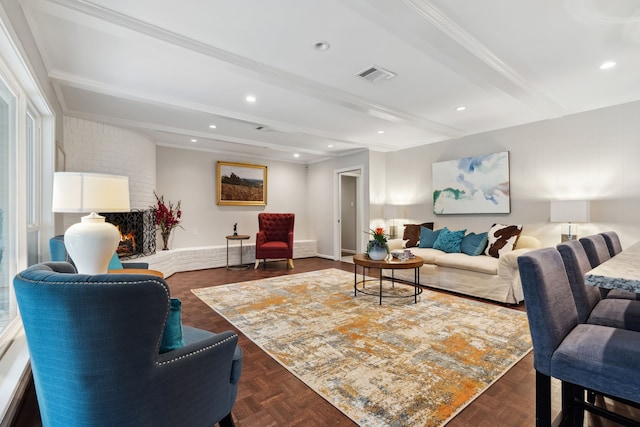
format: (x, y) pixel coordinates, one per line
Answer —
(276, 226)
(275, 237)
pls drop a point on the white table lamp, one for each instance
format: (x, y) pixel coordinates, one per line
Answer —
(92, 242)
(570, 211)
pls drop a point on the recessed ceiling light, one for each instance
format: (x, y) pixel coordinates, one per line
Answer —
(194, 140)
(251, 98)
(321, 45)
(296, 155)
(607, 65)
(461, 108)
(330, 146)
(213, 126)
(380, 132)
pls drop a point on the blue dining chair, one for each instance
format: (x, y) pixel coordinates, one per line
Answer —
(583, 357)
(590, 306)
(97, 357)
(613, 242)
(597, 251)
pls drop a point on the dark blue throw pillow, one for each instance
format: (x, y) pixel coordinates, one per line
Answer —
(172, 335)
(473, 244)
(449, 241)
(428, 237)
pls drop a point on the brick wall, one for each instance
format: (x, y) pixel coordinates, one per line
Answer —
(96, 147)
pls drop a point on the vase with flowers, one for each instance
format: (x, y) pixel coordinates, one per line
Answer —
(167, 217)
(377, 248)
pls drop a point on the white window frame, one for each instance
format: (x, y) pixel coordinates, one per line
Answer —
(18, 76)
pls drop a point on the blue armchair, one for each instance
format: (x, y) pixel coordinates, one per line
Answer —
(94, 343)
(58, 252)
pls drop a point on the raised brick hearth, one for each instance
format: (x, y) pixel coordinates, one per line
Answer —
(202, 257)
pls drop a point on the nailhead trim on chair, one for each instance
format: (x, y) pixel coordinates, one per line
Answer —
(184, 356)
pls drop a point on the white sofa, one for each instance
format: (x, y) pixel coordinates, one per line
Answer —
(481, 276)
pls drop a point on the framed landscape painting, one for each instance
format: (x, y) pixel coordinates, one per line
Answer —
(472, 185)
(241, 184)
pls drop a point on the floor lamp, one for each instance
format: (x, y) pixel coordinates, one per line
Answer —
(92, 242)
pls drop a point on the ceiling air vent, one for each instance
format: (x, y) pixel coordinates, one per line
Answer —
(376, 74)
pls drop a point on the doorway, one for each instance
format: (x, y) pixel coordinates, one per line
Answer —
(349, 211)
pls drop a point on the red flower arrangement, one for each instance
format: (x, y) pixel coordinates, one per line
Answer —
(166, 217)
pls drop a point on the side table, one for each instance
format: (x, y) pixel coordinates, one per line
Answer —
(239, 237)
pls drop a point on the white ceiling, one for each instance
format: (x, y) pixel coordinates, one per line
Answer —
(169, 69)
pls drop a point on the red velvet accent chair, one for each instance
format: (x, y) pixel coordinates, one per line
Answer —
(275, 237)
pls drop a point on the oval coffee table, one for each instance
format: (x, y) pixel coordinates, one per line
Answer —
(365, 262)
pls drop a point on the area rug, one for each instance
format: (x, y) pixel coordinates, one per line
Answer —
(395, 364)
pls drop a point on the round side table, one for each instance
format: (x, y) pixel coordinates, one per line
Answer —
(239, 237)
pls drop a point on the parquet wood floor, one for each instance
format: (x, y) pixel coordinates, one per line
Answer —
(271, 396)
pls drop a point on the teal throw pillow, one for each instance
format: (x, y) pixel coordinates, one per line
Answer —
(449, 241)
(172, 334)
(474, 244)
(428, 237)
(115, 263)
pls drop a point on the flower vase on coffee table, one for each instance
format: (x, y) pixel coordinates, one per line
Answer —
(377, 252)
(377, 249)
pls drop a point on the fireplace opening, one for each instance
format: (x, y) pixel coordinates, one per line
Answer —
(137, 232)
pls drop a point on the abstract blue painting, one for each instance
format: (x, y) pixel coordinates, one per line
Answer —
(478, 184)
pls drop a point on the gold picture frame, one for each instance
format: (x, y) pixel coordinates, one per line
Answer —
(241, 184)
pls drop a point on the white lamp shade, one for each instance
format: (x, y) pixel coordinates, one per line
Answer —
(92, 242)
(90, 192)
(570, 211)
(390, 211)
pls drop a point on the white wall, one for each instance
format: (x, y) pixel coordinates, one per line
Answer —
(95, 147)
(190, 176)
(323, 204)
(378, 195)
(590, 156)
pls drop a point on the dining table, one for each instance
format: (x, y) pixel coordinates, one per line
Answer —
(619, 272)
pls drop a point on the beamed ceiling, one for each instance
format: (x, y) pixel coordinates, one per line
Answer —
(170, 69)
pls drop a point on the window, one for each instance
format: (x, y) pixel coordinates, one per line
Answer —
(7, 138)
(26, 160)
(32, 172)
(33, 190)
